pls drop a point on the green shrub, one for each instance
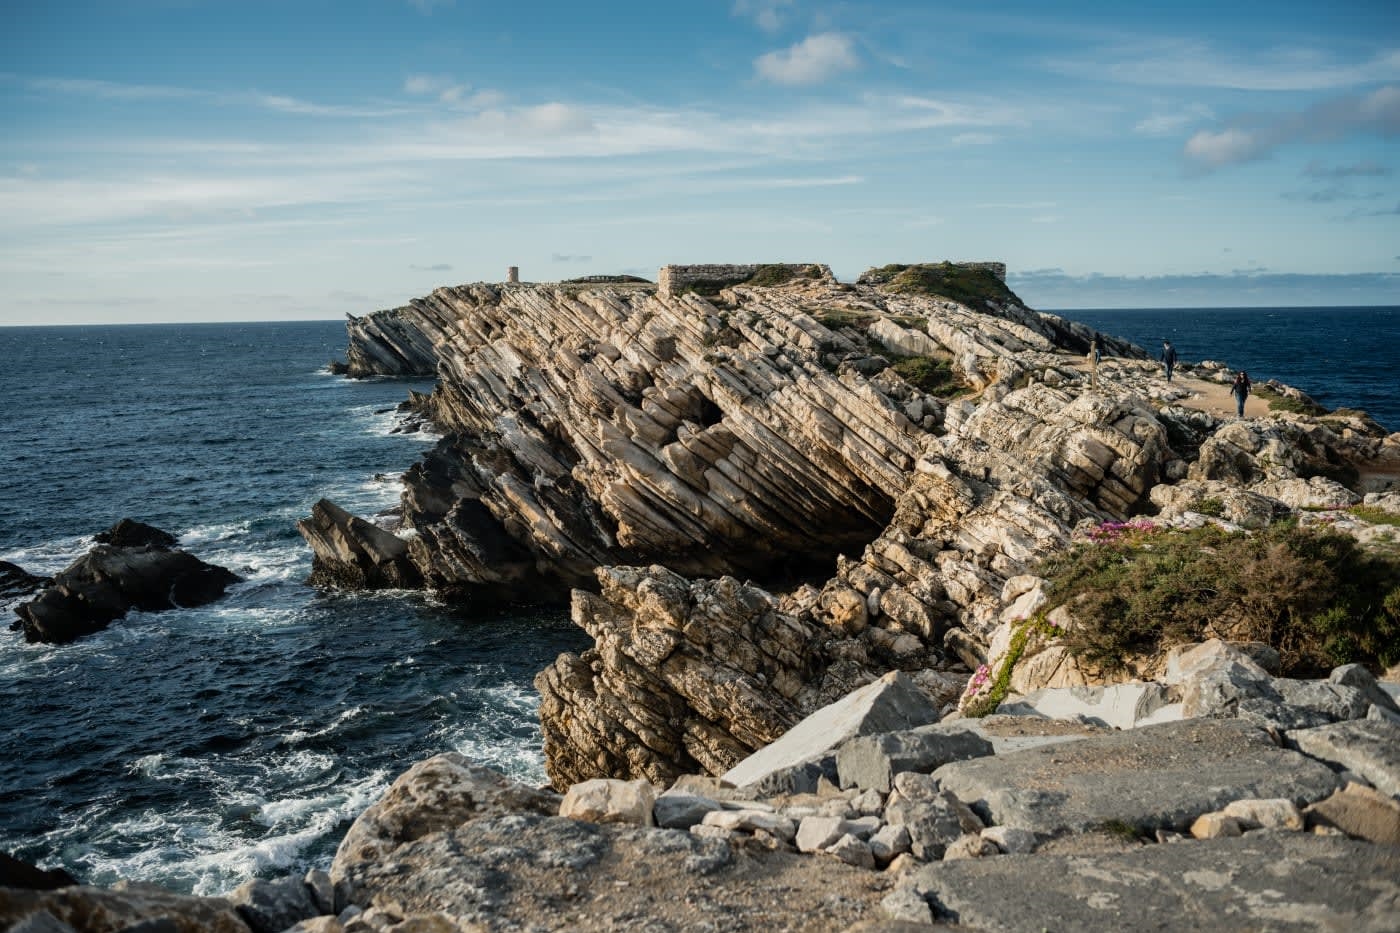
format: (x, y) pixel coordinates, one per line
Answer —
(834, 318)
(775, 274)
(942, 280)
(1280, 402)
(1315, 595)
(1376, 516)
(1211, 506)
(927, 373)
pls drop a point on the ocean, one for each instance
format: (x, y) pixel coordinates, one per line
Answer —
(199, 748)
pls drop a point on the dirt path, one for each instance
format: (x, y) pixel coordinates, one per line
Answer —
(1206, 395)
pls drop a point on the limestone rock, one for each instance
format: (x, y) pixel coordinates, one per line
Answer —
(890, 703)
(1173, 886)
(1161, 776)
(604, 800)
(1277, 813)
(871, 762)
(934, 818)
(1360, 812)
(1119, 706)
(1214, 826)
(1368, 747)
(350, 552)
(87, 908)
(273, 906)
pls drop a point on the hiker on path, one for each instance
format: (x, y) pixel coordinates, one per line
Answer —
(1169, 357)
(1240, 390)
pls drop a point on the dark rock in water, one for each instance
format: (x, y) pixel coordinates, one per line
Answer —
(337, 368)
(111, 579)
(130, 533)
(353, 553)
(17, 874)
(15, 581)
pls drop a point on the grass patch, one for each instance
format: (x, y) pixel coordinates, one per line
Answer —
(778, 273)
(941, 280)
(1280, 402)
(1211, 506)
(836, 318)
(1314, 594)
(1369, 513)
(928, 374)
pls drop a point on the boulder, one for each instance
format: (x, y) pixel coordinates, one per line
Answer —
(603, 800)
(1255, 882)
(1368, 747)
(16, 582)
(110, 580)
(1278, 813)
(1359, 811)
(1161, 776)
(127, 906)
(130, 533)
(934, 818)
(682, 811)
(891, 703)
(871, 762)
(352, 553)
(17, 874)
(272, 906)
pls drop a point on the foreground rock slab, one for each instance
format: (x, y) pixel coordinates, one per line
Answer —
(1255, 882)
(1155, 777)
(98, 909)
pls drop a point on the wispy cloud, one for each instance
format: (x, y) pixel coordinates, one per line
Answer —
(1365, 169)
(1251, 137)
(768, 14)
(811, 61)
(435, 267)
(1187, 63)
(1169, 124)
(569, 257)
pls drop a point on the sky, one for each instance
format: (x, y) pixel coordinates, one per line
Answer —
(198, 160)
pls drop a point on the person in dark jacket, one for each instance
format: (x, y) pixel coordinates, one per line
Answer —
(1169, 357)
(1240, 390)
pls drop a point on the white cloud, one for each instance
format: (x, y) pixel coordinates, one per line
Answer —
(1179, 63)
(768, 14)
(1169, 124)
(1246, 138)
(811, 61)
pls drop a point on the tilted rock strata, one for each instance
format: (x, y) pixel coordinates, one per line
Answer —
(609, 427)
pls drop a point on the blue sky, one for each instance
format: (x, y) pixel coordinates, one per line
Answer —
(170, 160)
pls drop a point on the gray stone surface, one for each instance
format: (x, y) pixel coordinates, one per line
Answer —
(1254, 882)
(1368, 747)
(934, 819)
(871, 761)
(1120, 706)
(889, 704)
(272, 906)
(1154, 777)
(681, 811)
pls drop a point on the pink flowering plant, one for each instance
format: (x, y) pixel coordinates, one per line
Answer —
(1126, 532)
(984, 691)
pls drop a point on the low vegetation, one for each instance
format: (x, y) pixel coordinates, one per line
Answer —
(1280, 402)
(774, 274)
(1314, 594)
(942, 280)
(928, 374)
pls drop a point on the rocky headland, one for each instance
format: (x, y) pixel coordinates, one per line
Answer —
(820, 534)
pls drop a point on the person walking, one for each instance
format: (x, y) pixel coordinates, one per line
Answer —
(1240, 390)
(1169, 357)
(1094, 354)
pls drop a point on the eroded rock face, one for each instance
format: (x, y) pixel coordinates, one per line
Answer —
(763, 432)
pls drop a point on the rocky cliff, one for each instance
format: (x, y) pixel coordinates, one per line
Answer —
(887, 461)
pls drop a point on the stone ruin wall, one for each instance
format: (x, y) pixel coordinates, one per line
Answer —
(673, 279)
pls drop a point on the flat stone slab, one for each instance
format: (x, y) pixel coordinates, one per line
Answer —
(1156, 777)
(1121, 706)
(890, 704)
(1368, 747)
(1260, 881)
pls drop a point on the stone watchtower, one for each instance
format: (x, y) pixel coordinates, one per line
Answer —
(513, 274)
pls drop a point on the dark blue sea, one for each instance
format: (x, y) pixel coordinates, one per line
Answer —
(1342, 357)
(197, 748)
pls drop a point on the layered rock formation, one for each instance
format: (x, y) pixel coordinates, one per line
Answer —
(790, 431)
